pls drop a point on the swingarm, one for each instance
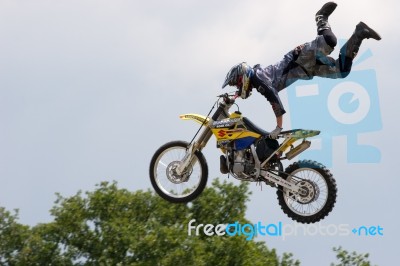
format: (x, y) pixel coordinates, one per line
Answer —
(276, 179)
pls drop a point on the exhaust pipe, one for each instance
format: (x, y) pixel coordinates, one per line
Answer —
(298, 149)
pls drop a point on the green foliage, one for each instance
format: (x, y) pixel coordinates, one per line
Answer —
(350, 259)
(12, 235)
(112, 226)
(21, 245)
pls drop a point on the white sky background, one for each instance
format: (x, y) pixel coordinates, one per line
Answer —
(90, 89)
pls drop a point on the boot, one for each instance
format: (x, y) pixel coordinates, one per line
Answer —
(350, 49)
(321, 17)
(362, 31)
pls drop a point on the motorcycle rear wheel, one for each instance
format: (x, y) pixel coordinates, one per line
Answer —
(317, 180)
(170, 186)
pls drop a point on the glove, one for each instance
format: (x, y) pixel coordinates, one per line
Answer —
(274, 134)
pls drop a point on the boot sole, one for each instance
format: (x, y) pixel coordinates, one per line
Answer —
(328, 8)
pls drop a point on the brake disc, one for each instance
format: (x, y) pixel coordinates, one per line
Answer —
(173, 176)
(308, 192)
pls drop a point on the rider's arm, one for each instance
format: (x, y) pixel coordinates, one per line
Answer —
(279, 121)
(262, 83)
(279, 111)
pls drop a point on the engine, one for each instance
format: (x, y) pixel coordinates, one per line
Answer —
(241, 163)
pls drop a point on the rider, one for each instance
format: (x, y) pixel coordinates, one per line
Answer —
(304, 62)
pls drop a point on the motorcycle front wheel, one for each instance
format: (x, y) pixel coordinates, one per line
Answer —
(167, 183)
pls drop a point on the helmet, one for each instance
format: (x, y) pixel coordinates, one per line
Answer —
(239, 76)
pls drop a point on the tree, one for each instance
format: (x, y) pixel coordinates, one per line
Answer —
(112, 226)
(21, 245)
(350, 259)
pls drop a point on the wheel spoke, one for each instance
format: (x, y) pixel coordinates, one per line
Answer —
(311, 180)
(166, 178)
(163, 164)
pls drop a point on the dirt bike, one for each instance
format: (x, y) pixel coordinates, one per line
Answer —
(306, 189)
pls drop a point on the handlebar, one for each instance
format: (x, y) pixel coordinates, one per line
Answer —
(229, 98)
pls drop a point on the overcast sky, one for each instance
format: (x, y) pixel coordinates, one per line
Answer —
(90, 89)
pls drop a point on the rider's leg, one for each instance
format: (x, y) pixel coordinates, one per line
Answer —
(341, 67)
(311, 59)
(350, 49)
(317, 50)
(323, 27)
(329, 37)
(306, 56)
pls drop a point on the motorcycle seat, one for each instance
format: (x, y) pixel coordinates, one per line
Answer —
(253, 127)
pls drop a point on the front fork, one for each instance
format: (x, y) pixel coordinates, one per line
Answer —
(198, 145)
(201, 142)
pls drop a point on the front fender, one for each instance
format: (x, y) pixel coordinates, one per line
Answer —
(201, 119)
